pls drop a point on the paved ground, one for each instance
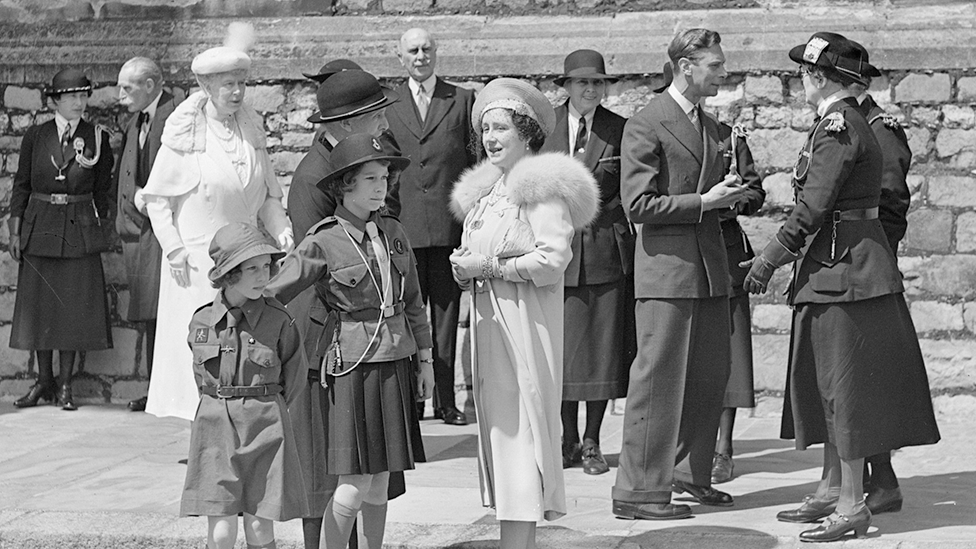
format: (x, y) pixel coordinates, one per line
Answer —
(106, 477)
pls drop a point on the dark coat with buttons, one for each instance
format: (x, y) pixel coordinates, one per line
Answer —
(439, 150)
(895, 196)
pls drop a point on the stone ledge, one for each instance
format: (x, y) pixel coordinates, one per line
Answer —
(899, 37)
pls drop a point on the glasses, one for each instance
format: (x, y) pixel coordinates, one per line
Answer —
(803, 70)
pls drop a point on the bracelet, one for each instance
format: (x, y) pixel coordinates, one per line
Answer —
(490, 267)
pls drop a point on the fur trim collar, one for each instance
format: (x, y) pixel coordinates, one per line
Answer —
(533, 179)
(186, 128)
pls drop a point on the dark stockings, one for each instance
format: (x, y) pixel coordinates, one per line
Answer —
(881, 474)
(594, 420)
(725, 424)
(45, 367)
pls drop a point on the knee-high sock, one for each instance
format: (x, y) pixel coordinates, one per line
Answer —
(374, 524)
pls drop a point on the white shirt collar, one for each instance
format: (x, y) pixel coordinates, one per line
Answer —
(62, 122)
(428, 85)
(862, 97)
(682, 101)
(826, 103)
(151, 107)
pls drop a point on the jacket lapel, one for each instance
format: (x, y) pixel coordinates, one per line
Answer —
(710, 148)
(597, 143)
(163, 109)
(677, 123)
(52, 143)
(406, 110)
(440, 104)
(560, 135)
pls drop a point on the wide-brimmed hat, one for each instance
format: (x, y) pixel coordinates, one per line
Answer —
(584, 64)
(350, 93)
(332, 67)
(220, 59)
(832, 51)
(668, 73)
(519, 96)
(69, 81)
(235, 243)
(870, 71)
(358, 149)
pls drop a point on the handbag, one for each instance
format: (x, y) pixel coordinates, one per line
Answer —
(518, 240)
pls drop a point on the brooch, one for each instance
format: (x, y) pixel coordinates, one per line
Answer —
(835, 122)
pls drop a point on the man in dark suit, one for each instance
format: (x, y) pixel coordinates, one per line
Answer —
(674, 184)
(140, 91)
(433, 129)
(599, 315)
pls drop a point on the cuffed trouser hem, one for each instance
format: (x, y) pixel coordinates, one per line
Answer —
(644, 496)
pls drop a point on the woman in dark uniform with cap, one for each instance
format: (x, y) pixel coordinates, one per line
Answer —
(857, 382)
(60, 215)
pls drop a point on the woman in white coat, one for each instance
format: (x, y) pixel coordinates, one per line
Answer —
(212, 169)
(520, 211)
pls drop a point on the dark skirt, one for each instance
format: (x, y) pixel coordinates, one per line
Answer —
(367, 419)
(61, 305)
(739, 393)
(599, 341)
(857, 379)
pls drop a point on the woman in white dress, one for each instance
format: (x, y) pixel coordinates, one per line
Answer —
(212, 169)
(520, 210)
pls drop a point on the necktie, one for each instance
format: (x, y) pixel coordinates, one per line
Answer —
(66, 151)
(581, 135)
(422, 103)
(383, 258)
(229, 344)
(143, 128)
(695, 118)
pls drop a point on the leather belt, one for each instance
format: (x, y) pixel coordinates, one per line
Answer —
(363, 315)
(860, 214)
(238, 391)
(61, 199)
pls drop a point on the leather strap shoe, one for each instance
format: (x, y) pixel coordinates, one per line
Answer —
(65, 398)
(37, 392)
(837, 526)
(452, 416)
(884, 500)
(593, 461)
(572, 454)
(706, 495)
(811, 510)
(139, 404)
(650, 511)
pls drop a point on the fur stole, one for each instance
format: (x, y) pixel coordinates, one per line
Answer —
(534, 179)
(186, 128)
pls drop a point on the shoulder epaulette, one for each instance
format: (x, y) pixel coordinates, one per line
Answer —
(888, 120)
(328, 221)
(202, 307)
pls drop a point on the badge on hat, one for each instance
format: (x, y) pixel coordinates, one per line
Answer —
(376, 145)
(814, 48)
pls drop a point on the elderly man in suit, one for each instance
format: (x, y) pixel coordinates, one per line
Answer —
(674, 184)
(434, 131)
(141, 93)
(599, 315)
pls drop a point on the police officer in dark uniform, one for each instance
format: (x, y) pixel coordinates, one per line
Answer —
(61, 215)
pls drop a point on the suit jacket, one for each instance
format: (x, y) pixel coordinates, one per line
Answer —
(895, 197)
(439, 151)
(70, 230)
(737, 244)
(665, 167)
(308, 203)
(839, 169)
(604, 250)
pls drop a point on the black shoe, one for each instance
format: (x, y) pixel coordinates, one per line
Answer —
(883, 500)
(572, 454)
(838, 526)
(593, 461)
(139, 404)
(706, 495)
(37, 392)
(812, 510)
(451, 416)
(650, 511)
(65, 400)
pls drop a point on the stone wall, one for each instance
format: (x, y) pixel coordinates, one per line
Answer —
(932, 94)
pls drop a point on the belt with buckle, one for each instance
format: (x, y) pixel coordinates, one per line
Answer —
(859, 214)
(61, 199)
(238, 391)
(363, 315)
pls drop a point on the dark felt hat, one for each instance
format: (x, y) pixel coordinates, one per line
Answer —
(350, 93)
(235, 243)
(870, 70)
(668, 73)
(832, 51)
(358, 149)
(332, 67)
(584, 64)
(69, 81)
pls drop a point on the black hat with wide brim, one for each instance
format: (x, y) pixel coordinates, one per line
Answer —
(358, 149)
(350, 93)
(69, 81)
(333, 67)
(870, 71)
(584, 64)
(832, 51)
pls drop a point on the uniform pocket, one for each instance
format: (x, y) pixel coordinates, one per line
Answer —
(262, 356)
(350, 277)
(205, 352)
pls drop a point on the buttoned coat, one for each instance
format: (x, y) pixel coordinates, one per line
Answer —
(439, 151)
(665, 170)
(139, 245)
(605, 248)
(895, 196)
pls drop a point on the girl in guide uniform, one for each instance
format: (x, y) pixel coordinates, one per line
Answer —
(248, 364)
(60, 218)
(364, 273)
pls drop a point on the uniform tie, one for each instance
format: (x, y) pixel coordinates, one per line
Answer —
(422, 103)
(66, 151)
(581, 136)
(383, 258)
(230, 343)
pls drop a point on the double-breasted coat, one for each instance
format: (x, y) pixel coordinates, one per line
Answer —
(66, 211)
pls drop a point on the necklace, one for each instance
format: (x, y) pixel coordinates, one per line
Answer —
(228, 134)
(495, 195)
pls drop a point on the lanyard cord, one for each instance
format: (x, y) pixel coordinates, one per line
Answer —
(379, 320)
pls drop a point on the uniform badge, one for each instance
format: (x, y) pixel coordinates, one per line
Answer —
(815, 46)
(202, 335)
(398, 245)
(376, 145)
(834, 122)
(79, 145)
